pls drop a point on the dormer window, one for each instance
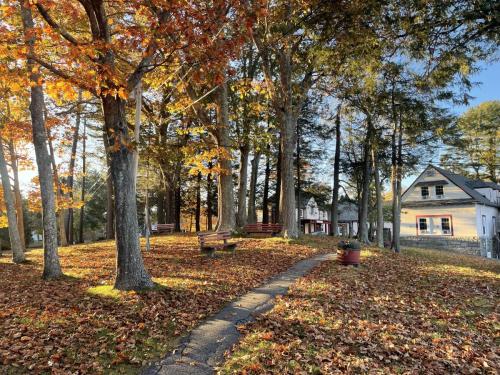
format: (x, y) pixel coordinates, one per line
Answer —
(424, 190)
(439, 191)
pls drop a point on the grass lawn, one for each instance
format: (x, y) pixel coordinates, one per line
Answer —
(81, 325)
(421, 312)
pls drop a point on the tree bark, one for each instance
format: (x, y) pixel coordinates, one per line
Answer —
(84, 171)
(137, 130)
(334, 230)
(130, 271)
(178, 205)
(63, 238)
(226, 215)
(365, 194)
(17, 193)
(277, 203)
(14, 236)
(299, 180)
(71, 171)
(252, 208)
(399, 177)
(110, 210)
(265, 198)
(241, 217)
(380, 207)
(209, 200)
(51, 266)
(198, 203)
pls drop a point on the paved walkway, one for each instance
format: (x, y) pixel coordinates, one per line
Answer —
(204, 348)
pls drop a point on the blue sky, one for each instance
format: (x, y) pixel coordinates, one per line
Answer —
(489, 89)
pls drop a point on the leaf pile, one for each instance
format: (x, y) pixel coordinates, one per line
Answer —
(81, 325)
(423, 311)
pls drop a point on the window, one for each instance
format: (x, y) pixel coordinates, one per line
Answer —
(439, 191)
(483, 222)
(445, 225)
(422, 225)
(494, 225)
(425, 192)
(301, 212)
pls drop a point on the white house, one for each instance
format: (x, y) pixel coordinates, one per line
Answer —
(313, 218)
(443, 209)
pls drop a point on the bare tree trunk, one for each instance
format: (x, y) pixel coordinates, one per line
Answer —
(380, 207)
(71, 171)
(84, 171)
(209, 200)
(334, 230)
(395, 180)
(110, 211)
(130, 271)
(265, 198)
(59, 194)
(241, 217)
(399, 177)
(177, 205)
(137, 130)
(226, 215)
(299, 180)
(17, 193)
(252, 209)
(277, 214)
(365, 195)
(198, 202)
(15, 239)
(51, 267)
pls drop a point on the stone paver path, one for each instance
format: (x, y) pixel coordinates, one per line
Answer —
(204, 348)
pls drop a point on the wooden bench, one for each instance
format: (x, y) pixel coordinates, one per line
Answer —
(212, 241)
(163, 228)
(261, 228)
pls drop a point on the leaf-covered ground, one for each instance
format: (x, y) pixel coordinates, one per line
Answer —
(80, 325)
(421, 312)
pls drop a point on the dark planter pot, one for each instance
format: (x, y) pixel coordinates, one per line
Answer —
(349, 253)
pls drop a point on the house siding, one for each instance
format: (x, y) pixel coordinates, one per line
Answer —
(451, 191)
(463, 218)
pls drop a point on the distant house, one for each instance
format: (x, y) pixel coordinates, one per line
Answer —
(348, 219)
(313, 217)
(445, 210)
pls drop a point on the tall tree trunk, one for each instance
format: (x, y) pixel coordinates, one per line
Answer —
(209, 200)
(380, 207)
(71, 171)
(110, 210)
(51, 266)
(334, 230)
(365, 194)
(299, 180)
(252, 209)
(84, 171)
(265, 198)
(130, 271)
(399, 178)
(17, 193)
(277, 195)
(226, 215)
(14, 236)
(161, 207)
(198, 203)
(59, 194)
(395, 178)
(137, 130)
(178, 205)
(241, 216)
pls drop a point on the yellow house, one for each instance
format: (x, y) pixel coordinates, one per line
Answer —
(445, 210)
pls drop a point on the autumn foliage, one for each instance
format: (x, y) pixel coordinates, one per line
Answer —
(425, 312)
(80, 324)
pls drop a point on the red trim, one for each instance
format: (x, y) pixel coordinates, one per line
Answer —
(442, 215)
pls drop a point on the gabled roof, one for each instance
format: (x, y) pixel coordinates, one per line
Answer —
(466, 184)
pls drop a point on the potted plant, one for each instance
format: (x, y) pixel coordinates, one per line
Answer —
(348, 252)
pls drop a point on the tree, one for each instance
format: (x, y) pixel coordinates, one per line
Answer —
(475, 143)
(51, 267)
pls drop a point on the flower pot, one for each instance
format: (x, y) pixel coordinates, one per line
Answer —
(349, 253)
